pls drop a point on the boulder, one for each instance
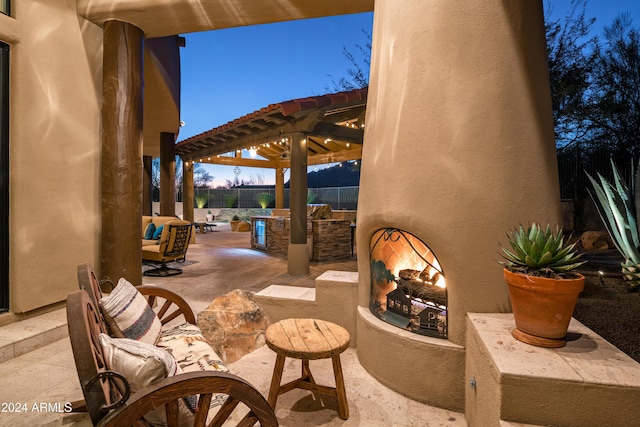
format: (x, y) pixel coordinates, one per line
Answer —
(233, 325)
(596, 241)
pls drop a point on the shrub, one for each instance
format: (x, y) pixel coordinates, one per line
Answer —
(264, 199)
(311, 197)
(230, 200)
(201, 200)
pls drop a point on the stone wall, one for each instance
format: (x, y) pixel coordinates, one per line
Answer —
(226, 214)
(277, 236)
(331, 238)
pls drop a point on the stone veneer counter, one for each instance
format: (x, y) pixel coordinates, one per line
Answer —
(331, 238)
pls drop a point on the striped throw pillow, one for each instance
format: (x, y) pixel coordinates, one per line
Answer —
(129, 315)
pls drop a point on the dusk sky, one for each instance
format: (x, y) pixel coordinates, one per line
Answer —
(229, 73)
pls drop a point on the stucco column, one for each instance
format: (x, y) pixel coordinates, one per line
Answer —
(147, 185)
(279, 188)
(187, 191)
(167, 174)
(459, 148)
(121, 153)
(298, 255)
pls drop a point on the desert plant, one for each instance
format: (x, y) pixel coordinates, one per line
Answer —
(264, 199)
(230, 200)
(235, 218)
(201, 200)
(540, 252)
(311, 197)
(616, 204)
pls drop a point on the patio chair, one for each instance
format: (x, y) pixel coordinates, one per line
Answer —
(174, 242)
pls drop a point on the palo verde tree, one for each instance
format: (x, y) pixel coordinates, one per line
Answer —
(569, 46)
(358, 73)
(614, 102)
(201, 178)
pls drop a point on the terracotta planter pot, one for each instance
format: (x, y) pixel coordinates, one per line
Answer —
(234, 224)
(542, 307)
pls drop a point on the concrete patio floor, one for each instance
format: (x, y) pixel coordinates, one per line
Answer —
(39, 382)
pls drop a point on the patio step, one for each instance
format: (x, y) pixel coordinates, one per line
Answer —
(334, 299)
(30, 334)
(589, 382)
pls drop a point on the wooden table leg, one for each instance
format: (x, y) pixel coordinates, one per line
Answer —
(343, 405)
(274, 390)
(306, 372)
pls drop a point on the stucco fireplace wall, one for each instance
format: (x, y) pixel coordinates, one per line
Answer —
(459, 148)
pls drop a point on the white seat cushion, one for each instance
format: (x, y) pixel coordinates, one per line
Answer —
(144, 364)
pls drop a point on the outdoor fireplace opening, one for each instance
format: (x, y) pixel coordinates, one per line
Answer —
(408, 287)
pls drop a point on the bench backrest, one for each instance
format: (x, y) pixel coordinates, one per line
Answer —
(103, 390)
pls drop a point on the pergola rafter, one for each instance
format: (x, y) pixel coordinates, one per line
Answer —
(321, 118)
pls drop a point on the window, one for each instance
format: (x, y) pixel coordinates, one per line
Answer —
(4, 177)
(4, 7)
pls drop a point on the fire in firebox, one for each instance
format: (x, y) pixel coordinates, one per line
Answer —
(408, 286)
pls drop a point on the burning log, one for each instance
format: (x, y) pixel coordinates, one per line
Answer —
(409, 274)
(417, 288)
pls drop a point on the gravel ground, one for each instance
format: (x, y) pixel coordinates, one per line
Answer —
(606, 306)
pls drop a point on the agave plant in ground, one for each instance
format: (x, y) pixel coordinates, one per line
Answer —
(617, 205)
(540, 252)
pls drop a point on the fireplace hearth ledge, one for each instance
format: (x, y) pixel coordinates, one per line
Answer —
(426, 369)
(588, 383)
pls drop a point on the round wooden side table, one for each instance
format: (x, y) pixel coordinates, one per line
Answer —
(308, 339)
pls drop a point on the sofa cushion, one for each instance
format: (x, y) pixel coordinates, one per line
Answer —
(191, 351)
(128, 314)
(158, 232)
(143, 365)
(149, 231)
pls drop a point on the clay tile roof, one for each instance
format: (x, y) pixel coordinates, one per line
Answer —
(286, 108)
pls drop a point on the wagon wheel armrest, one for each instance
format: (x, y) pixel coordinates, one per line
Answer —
(171, 298)
(204, 384)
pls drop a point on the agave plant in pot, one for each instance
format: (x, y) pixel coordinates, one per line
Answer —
(543, 287)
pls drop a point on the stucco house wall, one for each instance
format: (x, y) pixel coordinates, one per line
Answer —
(55, 100)
(55, 122)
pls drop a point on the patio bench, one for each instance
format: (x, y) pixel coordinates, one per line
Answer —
(142, 382)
